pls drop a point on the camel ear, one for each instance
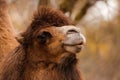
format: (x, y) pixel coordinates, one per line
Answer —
(20, 39)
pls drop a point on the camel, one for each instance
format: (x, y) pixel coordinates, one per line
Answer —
(47, 50)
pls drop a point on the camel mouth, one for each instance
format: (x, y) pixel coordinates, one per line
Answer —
(79, 44)
(74, 48)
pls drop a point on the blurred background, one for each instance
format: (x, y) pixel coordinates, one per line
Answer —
(99, 21)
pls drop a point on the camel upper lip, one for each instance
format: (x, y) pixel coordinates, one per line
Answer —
(74, 44)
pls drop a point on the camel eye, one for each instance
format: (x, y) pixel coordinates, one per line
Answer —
(44, 37)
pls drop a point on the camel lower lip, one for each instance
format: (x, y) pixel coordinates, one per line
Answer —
(79, 46)
(73, 49)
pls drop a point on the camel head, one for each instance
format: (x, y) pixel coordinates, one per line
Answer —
(52, 38)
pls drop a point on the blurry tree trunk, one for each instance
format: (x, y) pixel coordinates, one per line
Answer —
(44, 2)
(51, 3)
(67, 5)
(77, 8)
(80, 9)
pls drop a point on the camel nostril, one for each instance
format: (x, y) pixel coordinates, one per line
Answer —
(72, 31)
(81, 43)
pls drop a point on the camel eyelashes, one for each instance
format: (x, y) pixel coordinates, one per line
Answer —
(44, 37)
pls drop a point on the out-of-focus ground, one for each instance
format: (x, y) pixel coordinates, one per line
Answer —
(99, 20)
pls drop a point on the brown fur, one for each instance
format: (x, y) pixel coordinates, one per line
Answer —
(7, 35)
(35, 61)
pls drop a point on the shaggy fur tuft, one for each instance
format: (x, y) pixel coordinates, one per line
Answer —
(50, 17)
